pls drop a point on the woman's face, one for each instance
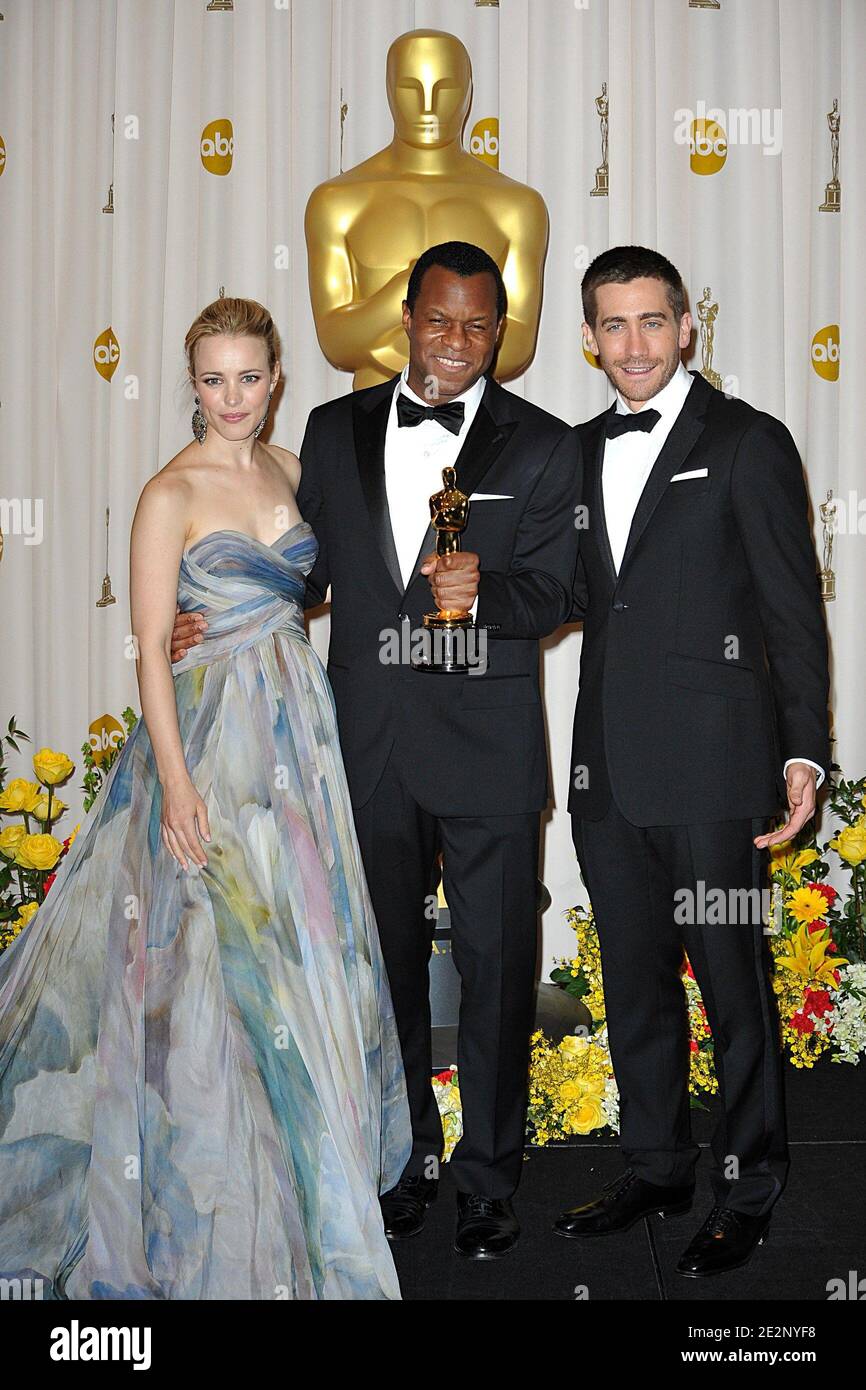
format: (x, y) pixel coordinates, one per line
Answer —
(232, 382)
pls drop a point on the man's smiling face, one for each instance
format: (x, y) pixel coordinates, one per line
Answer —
(636, 337)
(452, 332)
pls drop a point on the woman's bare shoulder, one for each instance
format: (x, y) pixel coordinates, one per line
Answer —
(169, 491)
(289, 462)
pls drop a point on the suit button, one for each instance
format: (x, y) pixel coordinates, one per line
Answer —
(619, 606)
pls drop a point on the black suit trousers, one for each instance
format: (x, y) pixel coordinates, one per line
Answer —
(490, 873)
(639, 881)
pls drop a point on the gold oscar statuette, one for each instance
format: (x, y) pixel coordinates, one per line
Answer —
(828, 520)
(601, 186)
(449, 513)
(833, 190)
(366, 227)
(107, 597)
(707, 312)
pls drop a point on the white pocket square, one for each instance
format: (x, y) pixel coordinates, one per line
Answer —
(492, 497)
(694, 473)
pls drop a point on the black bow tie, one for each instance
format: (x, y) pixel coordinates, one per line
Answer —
(449, 416)
(616, 424)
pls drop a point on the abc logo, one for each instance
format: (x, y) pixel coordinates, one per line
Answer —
(484, 141)
(708, 144)
(2, 155)
(106, 354)
(105, 735)
(218, 147)
(825, 352)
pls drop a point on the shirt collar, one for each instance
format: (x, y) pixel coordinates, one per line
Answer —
(471, 396)
(667, 401)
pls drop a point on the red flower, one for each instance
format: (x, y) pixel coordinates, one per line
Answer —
(816, 1001)
(826, 892)
(802, 1024)
(48, 882)
(693, 1047)
(444, 1076)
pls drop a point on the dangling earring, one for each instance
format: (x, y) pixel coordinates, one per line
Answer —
(260, 426)
(199, 423)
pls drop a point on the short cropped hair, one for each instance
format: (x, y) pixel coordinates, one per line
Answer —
(619, 265)
(464, 259)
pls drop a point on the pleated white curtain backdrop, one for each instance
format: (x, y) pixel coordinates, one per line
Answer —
(297, 87)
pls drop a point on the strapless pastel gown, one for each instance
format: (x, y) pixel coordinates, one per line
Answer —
(201, 1088)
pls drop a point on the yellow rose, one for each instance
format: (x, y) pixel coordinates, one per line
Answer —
(10, 839)
(52, 768)
(25, 912)
(19, 795)
(850, 843)
(38, 852)
(588, 1115)
(40, 807)
(573, 1045)
(570, 1091)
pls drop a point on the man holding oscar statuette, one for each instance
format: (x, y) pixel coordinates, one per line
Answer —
(451, 760)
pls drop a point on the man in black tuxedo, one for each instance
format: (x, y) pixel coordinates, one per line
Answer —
(451, 763)
(702, 707)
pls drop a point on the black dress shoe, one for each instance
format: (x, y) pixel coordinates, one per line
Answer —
(621, 1204)
(725, 1241)
(486, 1226)
(405, 1206)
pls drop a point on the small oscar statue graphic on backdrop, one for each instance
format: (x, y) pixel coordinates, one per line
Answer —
(833, 191)
(707, 312)
(449, 513)
(107, 596)
(109, 206)
(600, 190)
(828, 520)
(705, 4)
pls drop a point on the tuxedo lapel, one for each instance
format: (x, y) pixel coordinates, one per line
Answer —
(595, 442)
(686, 432)
(484, 442)
(370, 421)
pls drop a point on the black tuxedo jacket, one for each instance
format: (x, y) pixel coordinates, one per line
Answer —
(704, 663)
(467, 745)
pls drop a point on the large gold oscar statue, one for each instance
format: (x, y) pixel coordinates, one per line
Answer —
(366, 228)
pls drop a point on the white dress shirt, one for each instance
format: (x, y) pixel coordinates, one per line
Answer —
(628, 462)
(414, 458)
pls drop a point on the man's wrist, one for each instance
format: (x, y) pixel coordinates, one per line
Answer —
(807, 762)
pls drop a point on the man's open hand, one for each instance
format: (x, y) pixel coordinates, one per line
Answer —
(186, 633)
(801, 781)
(454, 579)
